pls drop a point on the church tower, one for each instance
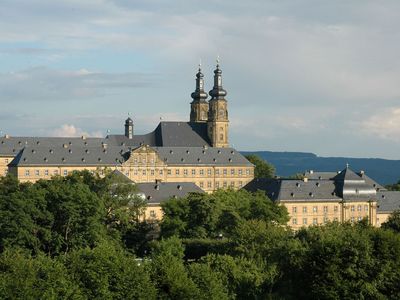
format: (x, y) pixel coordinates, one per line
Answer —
(199, 105)
(218, 113)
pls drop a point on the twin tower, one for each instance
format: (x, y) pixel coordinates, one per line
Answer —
(213, 112)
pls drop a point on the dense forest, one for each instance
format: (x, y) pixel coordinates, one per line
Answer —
(82, 237)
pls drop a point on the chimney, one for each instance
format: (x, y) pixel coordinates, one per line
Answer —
(305, 179)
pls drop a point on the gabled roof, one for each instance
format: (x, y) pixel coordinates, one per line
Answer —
(347, 175)
(167, 134)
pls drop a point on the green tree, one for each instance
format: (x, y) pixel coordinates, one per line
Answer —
(109, 272)
(40, 277)
(169, 273)
(394, 187)
(393, 222)
(262, 169)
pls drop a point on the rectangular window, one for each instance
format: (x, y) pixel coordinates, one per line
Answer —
(160, 172)
(315, 209)
(304, 209)
(315, 221)
(294, 209)
(326, 220)
(232, 171)
(127, 173)
(366, 207)
(185, 172)
(201, 184)
(65, 172)
(359, 208)
(144, 172)
(352, 219)
(248, 172)
(305, 221)
(6, 160)
(335, 219)
(55, 172)
(193, 171)
(152, 214)
(144, 160)
(37, 172)
(225, 184)
(135, 160)
(225, 172)
(216, 171)
(209, 184)
(217, 185)
(352, 208)
(294, 221)
(240, 184)
(359, 218)
(209, 172)
(46, 172)
(135, 172)
(27, 172)
(240, 172)
(201, 172)
(152, 160)
(325, 209)
(177, 172)
(152, 172)
(335, 209)
(232, 184)
(169, 172)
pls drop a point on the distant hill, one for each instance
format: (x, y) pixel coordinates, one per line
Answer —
(384, 171)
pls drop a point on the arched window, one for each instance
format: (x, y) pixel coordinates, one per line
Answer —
(221, 137)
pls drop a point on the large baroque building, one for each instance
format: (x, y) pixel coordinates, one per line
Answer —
(322, 197)
(189, 152)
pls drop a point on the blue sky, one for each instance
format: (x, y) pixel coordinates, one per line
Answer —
(301, 75)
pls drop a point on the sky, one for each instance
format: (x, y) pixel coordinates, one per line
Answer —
(301, 75)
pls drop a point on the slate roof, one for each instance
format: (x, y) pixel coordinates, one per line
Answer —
(113, 155)
(69, 156)
(312, 175)
(156, 193)
(346, 185)
(201, 156)
(295, 190)
(388, 201)
(167, 134)
(10, 146)
(351, 186)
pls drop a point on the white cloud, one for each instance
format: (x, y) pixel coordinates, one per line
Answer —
(69, 130)
(385, 124)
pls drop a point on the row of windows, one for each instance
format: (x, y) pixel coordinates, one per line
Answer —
(222, 184)
(186, 172)
(325, 209)
(314, 221)
(45, 173)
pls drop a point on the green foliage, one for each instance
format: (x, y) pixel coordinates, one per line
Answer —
(109, 272)
(262, 169)
(393, 222)
(169, 273)
(218, 214)
(25, 277)
(77, 237)
(394, 187)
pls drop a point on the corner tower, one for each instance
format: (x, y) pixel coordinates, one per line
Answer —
(199, 105)
(218, 113)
